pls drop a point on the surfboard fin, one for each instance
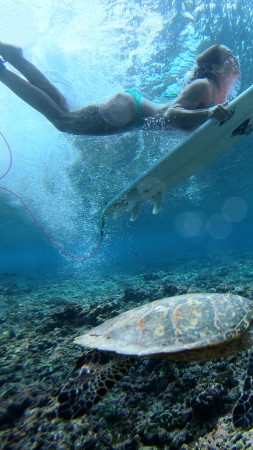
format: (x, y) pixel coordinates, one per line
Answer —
(133, 204)
(132, 199)
(135, 212)
(157, 202)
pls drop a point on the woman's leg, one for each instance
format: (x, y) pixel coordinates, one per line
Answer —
(88, 120)
(39, 93)
(14, 56)
(35, 97)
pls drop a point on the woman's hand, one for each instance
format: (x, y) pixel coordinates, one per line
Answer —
(219, 112)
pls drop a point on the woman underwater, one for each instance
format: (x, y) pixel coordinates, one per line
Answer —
(204, 97)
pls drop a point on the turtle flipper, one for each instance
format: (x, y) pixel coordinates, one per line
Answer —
(243, 410)
(93, 375)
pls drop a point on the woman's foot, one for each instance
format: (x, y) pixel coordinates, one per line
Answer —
(10, 52)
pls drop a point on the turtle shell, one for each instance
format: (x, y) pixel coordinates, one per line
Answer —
(181, 327)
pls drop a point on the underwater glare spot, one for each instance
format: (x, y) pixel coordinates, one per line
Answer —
(235, 209)
(190, 224)
(219, 227)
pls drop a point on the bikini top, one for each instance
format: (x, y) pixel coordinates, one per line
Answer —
(212, 104)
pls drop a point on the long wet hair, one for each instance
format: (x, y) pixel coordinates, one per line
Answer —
(206, 62)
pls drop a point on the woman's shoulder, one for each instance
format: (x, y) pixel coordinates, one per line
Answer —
(202, 87)
(202, 83)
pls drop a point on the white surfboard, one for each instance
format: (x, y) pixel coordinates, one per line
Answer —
(203, 146)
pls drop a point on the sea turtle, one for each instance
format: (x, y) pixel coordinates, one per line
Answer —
(186, 327)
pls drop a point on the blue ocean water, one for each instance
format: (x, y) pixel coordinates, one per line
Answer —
(67, 180)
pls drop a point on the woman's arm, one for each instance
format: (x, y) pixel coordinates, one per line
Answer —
(191, 108)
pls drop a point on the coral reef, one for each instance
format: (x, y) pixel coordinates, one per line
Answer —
(159, 404)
